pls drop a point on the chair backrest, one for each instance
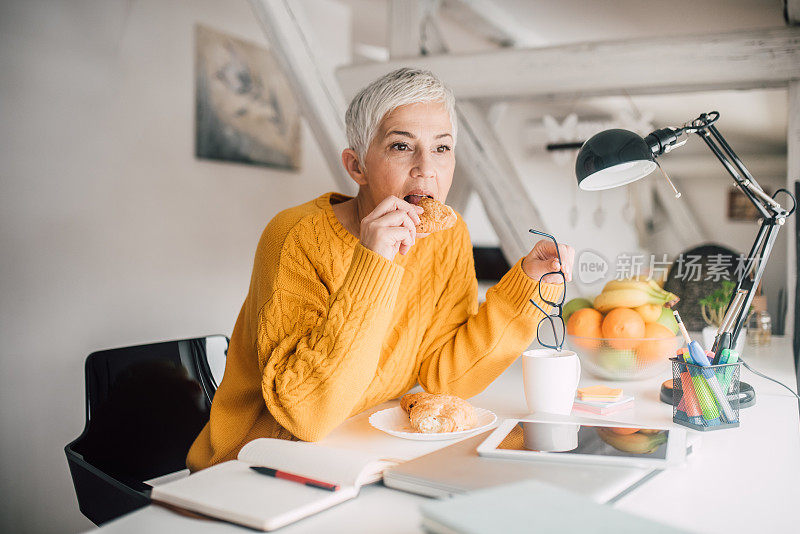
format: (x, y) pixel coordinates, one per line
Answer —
(145, 405)
(703, 271)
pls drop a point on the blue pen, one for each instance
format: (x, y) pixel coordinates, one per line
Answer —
(699, 357)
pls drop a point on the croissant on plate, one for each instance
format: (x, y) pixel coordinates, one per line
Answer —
(431, 413)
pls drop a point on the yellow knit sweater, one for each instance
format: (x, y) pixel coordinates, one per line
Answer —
(330, 328)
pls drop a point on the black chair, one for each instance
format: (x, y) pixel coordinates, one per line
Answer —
(145, 405)
(490, 264)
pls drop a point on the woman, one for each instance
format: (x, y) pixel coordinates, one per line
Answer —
(348, 307)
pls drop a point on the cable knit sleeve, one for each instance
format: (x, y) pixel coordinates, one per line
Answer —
(318, 350)
(466, 346)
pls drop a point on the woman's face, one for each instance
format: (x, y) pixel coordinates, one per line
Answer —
(411, 154)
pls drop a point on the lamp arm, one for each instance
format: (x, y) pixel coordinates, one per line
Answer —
(733, 170)
(758, 256)
(773, 215)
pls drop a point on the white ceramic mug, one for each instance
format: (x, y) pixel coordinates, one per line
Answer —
(550, 380)
(550, 437)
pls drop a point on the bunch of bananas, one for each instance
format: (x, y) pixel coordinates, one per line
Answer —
(632, 294)
(642, 442)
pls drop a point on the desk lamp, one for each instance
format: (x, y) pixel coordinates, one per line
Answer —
(616, 157)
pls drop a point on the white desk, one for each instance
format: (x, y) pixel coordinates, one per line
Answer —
(748, 475)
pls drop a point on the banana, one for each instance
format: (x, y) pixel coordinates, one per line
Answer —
(649, 286)
(631, 294)
(625, 298)
(653, 284)
(650, 312)
(636, 443)
(627, 283)
(649, 430)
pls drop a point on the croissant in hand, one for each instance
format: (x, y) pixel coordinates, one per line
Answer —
(431, 413)
(436, 217)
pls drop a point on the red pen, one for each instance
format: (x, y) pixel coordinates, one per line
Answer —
(294, 478)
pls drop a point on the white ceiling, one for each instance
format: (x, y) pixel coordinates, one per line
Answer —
(554, 22)
(753, 121)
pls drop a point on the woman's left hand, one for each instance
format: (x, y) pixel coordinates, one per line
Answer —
(543, 259)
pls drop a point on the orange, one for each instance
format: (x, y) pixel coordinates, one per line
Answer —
(660, 346)
(585, 323)
(622, 324)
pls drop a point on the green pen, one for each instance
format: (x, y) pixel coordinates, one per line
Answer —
(721, 371)
(708, 406)
(729, 357)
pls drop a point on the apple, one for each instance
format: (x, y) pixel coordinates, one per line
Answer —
(668, 320)
(616, 359)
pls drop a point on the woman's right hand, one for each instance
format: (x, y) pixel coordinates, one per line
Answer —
(391, 227)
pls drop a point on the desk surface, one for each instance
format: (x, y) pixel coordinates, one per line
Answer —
(752, 471)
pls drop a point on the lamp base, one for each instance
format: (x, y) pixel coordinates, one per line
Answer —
(747, 395)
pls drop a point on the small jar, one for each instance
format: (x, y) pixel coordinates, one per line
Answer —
(759, 329)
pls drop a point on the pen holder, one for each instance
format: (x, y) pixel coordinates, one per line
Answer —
(705, 398)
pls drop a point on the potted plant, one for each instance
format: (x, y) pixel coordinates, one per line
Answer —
(712, 307)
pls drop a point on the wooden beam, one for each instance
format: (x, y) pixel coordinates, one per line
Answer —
(766, 167)
(404, 32)
(792, 176)
(739, 60)
(490, 21)
(317, 93)
(642, 196)
(483, 158)
(460, 190)
(681, 216)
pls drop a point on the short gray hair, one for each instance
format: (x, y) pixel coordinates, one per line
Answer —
(398, 88)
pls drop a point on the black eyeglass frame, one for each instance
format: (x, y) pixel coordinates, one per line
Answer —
(558, 305)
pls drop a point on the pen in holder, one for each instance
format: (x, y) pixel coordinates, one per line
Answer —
(705, 398)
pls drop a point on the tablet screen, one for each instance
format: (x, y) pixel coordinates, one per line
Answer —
(572, 438)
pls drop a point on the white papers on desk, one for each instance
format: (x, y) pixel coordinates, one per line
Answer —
(528, 507)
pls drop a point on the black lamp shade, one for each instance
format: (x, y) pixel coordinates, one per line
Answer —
(613, 158)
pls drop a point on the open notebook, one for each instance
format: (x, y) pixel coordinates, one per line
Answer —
(233, 492)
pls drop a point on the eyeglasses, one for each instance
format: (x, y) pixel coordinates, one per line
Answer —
(551, 335)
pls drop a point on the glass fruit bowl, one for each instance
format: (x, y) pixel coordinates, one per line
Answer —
(625, 358)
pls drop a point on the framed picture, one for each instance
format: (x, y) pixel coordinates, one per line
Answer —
(245, 110)
(739, 206)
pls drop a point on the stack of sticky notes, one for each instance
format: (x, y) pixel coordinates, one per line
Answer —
(600, 394)
(602, 400)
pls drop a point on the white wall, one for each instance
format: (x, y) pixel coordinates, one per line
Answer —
(111, 232)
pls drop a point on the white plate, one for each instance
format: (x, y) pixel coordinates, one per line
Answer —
(394, 421)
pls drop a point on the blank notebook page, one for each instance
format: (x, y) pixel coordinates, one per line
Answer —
(234, 492)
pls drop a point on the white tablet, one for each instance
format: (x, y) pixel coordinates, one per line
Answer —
(532, 439)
